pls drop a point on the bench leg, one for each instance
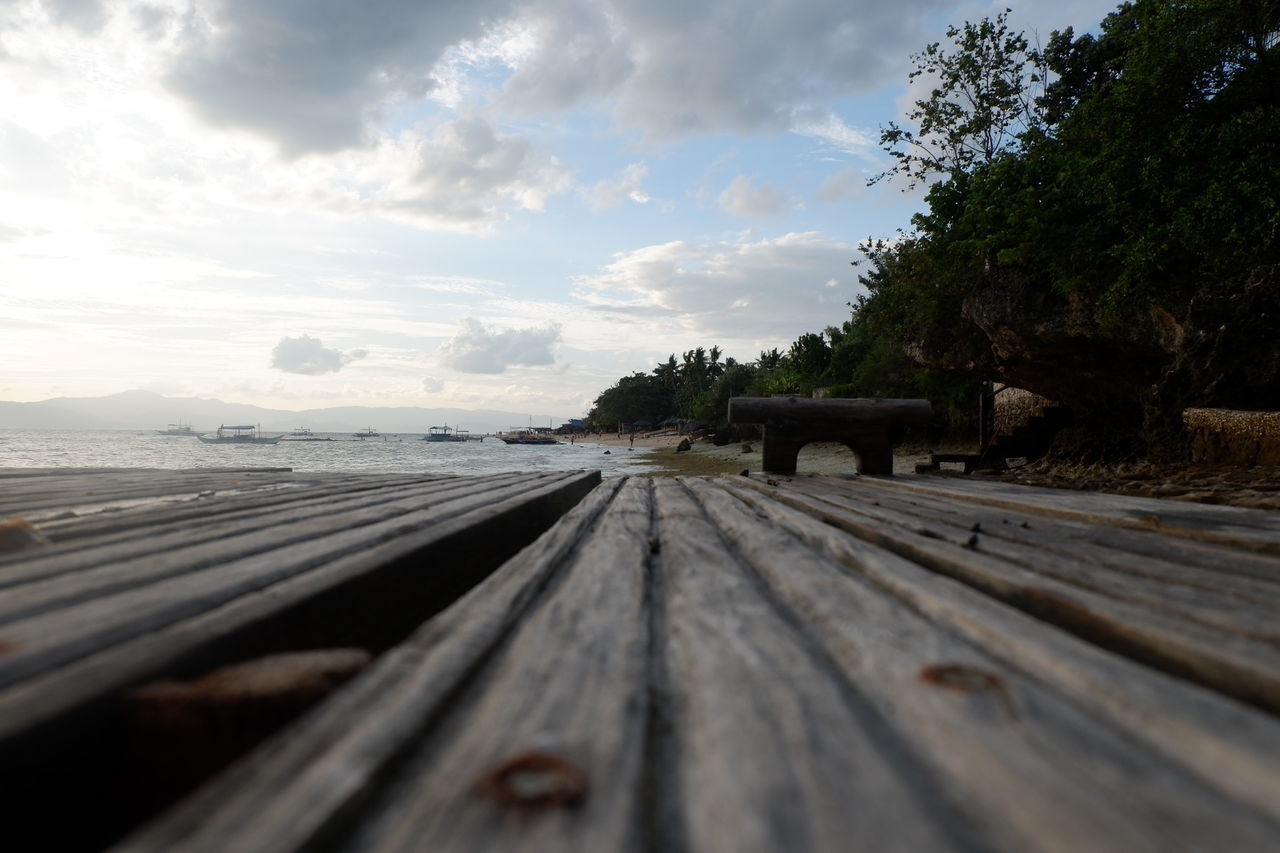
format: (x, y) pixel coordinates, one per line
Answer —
(778, 456)
(875, 457)
(782, 446)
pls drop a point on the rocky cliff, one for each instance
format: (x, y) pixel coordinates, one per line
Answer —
(1128, 380)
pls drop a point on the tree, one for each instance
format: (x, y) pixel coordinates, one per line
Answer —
(981, 103)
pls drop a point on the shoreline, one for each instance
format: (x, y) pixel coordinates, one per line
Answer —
(1255, 487)
(704, 458)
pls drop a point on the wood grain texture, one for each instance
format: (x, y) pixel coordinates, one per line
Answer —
(853, 413)
(733, 664)
(1229, 645)
(1236, 527)
(83, 625)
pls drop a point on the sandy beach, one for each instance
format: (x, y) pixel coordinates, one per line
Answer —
(703, 457)
(1255, 487)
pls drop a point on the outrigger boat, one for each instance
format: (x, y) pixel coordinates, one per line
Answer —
(444, 433)
(304, 434)
(239, 435)
(367, 432)
(527, 436)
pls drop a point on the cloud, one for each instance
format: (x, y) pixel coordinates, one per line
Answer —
(310, 74)
(463, 176)
(832, 131)
(86, 16)
(626, 185)
(673, 68)
(320, 75)
(845, 185)
(432, 386)
(766, 290)
(478, 348)
(309, 356)
(745, 199)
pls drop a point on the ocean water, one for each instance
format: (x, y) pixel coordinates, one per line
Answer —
(403, 453)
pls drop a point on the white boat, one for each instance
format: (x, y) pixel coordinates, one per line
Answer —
(239, 435)
(178, 429)
(304, 434)
(367, 432)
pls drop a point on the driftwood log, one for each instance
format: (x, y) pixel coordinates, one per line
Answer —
(867, 426)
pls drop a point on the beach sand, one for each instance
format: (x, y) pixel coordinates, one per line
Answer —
(1254, 487)
(705, 458)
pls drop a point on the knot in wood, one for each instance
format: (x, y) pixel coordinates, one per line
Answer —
(534, 780)
(958, 676)
(969, 679)
(18, 534)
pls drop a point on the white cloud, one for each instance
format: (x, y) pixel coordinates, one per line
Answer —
(767, 290)
(831, 130)
(845, 185)
(745, 199)
(464, 176)
(478, 348)
(626, 185)
(310, 357)
(432, 386)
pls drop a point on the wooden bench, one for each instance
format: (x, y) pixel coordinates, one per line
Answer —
(116, 579)
(868, 427)
(816, 663)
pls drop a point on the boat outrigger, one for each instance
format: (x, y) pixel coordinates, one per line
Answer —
(528, 436)
(444, 433)
(304, 434)
(239, 435)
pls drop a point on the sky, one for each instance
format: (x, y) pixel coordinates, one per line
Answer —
(443, 203)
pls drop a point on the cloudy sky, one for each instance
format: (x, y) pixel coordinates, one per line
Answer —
(471, 203)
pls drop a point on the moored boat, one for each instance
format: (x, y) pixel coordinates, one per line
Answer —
(528, 436)
(304, 434)
(444, 433)
(239, 435)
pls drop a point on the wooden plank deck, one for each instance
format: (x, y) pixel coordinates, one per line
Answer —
(115, 579)
(808, 663)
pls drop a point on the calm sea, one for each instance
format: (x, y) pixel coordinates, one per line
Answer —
(385, 454)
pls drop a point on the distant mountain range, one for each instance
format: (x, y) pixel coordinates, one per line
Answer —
(147, 410)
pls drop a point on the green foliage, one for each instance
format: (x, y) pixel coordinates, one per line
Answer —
(639, 395)
(979, 105)
(1144, 171)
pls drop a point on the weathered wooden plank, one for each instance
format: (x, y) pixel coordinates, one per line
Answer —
(730, 672)
(155, 530)
(1144, 553)
(39, 498)
(51, 580)
(1237, 527)
(60, 665)
(1237, 606)
(47, 640)
(1038, 770)
(214, 506)
(774, 750)
(570, 682)
(1233, 663)
(336, 758)
(26, 473)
